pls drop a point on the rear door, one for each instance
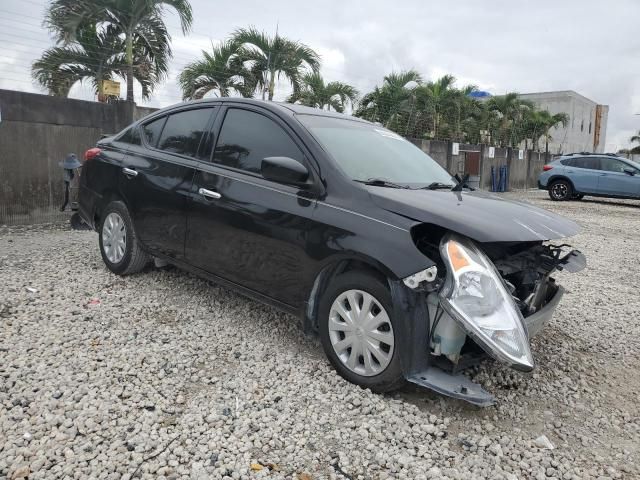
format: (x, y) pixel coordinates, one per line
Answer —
(157, 174)
(613, 179)
(244, 228)
(584, 173)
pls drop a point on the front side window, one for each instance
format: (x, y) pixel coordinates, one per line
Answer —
(364, 152)
(613, 165)
(183, 131)
(247, 137)
(152, 131)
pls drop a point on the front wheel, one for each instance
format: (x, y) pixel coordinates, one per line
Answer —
(358, 334)
(560, 190)
(119, 246)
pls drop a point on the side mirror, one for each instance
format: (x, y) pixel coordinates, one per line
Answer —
(630, 171)
(284, 170)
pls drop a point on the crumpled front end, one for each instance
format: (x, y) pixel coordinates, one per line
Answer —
(487, 299)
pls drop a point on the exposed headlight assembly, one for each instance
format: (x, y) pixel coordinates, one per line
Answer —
(475, 295)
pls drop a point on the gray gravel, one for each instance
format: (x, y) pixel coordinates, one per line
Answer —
(163, 374)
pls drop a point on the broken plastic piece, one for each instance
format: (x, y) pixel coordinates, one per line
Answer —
(456, 386)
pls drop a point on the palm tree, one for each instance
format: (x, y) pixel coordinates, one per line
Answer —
(635, 138)
(314, 92)
(390, 103)
(222, 70)
(437, 102)
(540, 122)
(510, 111)
(139, 21)
(271, 57)
(95, 54)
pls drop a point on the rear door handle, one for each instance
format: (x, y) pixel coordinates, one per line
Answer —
(209, 194)
(129, 172)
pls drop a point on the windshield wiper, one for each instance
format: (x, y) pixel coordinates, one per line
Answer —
(462, 182)
(439, 186)
(380, 182)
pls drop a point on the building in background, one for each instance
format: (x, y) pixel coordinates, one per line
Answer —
(587, 127)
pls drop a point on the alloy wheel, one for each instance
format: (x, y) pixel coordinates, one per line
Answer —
(361, 333)
(560, 190)
(114, 237)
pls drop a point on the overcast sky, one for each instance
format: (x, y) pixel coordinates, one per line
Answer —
(589, 46)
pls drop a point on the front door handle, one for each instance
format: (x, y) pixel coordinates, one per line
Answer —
(209, 194)
(129, 172)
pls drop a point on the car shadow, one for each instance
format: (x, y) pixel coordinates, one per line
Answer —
(614, 201)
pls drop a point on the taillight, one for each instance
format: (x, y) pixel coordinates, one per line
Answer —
(546, 168)
(91, 153)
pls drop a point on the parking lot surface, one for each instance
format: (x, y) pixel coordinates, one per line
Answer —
(162, 374)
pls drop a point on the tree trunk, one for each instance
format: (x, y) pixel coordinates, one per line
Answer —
(129, 41)
(272, 84)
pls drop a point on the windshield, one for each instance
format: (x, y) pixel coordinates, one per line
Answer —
(368, 152)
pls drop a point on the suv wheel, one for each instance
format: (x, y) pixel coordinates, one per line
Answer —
(560, 190)
(357, 332)
(119, 246)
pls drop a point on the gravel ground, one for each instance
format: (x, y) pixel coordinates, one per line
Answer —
(163, 374)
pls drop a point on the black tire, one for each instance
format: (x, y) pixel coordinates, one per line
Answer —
(560, 190)
(391, 377)
(134, 259)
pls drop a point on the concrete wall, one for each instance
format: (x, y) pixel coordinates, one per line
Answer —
(36, 133)
(523, 173)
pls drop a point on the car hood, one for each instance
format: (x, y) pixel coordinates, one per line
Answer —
(481, 216)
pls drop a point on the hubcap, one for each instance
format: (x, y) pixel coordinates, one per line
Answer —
(559, 190)
(114, 237)
(361, 333)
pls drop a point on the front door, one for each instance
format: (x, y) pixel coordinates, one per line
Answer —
(157, 175)
(614, 180)
(242, 227)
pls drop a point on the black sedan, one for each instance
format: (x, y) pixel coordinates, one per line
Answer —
(405, 273)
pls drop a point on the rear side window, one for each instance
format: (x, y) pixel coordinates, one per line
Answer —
(183, 131)
(152, 131)
(587, 162)
(247, 137)
(132, 136)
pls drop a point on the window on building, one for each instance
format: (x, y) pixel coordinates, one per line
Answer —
(183, 131)
(589, 127)
(247, 137)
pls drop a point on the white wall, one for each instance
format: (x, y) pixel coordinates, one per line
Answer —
(578, 136)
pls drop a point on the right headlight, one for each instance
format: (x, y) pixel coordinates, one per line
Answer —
(476, 296)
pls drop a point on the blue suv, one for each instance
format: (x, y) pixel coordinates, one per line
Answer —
(573, 176)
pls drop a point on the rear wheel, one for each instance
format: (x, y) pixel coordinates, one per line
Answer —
(560, 190)
(357, 332)
(119, 246)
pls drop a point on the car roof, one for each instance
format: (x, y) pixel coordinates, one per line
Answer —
(281, 107)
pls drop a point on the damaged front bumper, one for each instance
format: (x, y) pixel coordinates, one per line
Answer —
(439, 369)
(538, 320)
(459, 386)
